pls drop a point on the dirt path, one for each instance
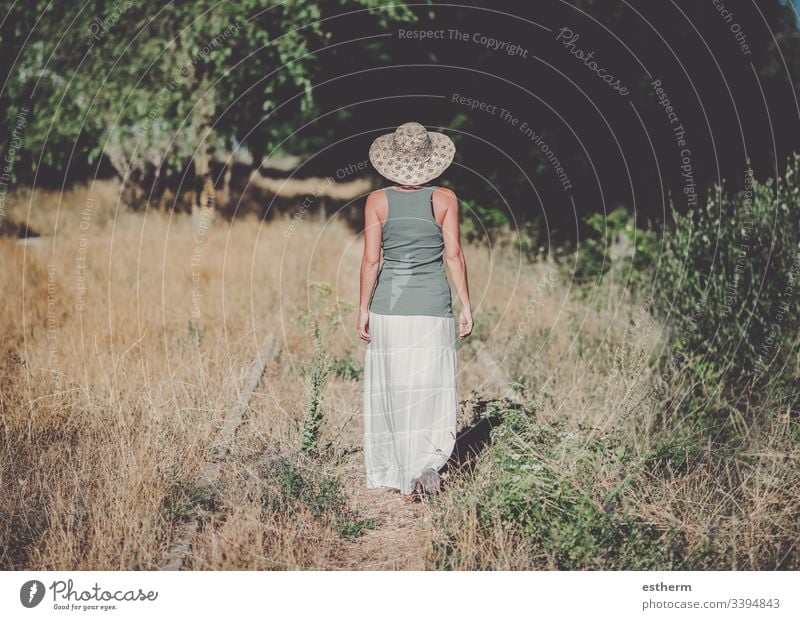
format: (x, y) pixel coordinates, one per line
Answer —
(402, 536)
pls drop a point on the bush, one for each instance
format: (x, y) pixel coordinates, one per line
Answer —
(481, 223)
(615, 241)
(572, 511)
(345, 368)
(319, 373)
(291, 487)
(726, 286)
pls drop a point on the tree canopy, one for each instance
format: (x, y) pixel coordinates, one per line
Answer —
(152, 85)
(152, 90)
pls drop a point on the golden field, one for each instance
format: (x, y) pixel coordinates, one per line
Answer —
(127, 338)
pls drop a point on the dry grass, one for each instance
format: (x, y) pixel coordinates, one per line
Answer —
(109, 412)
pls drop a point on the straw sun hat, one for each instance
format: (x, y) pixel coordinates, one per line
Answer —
(411, 155)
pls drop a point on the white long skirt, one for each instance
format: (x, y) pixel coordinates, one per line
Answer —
(410, 399)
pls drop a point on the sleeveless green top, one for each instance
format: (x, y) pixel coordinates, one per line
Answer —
(412, 277)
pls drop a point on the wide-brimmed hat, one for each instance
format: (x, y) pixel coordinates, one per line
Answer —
(411, 155)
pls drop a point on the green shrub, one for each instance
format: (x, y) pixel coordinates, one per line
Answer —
(727, 287)
(345, 368)
(320, 371)
(614, 241)
(565, 511)
(289, 487)
(481, 223)
(533, 238)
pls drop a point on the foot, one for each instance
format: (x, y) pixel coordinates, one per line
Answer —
(416, 494)
(430, 481)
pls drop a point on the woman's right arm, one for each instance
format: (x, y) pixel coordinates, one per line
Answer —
(454, 256)
(371, 258)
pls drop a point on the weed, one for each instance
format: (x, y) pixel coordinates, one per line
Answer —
(187, 500)
(320, 372)
(344, 368)
(290, 487)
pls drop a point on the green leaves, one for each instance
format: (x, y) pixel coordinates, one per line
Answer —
(615, 242)
(320, 372)
(728, 273)
(550, 481)
(727, 286)
(149, 83)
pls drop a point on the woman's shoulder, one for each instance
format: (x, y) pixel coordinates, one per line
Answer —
(376, 196)
(377, 202)
(444, 192)
(444, 195)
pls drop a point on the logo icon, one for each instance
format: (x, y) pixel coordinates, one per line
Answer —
(31, 593)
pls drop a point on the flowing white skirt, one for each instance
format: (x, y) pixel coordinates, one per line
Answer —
(410, 399)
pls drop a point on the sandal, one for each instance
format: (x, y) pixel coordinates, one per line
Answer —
(430, 482)
(416, 494)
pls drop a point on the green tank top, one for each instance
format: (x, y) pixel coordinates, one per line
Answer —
(412, 277)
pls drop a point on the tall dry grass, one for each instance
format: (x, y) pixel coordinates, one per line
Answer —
(110, 410)
(111, 397)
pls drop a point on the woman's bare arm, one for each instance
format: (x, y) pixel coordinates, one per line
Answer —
(454, 256)
(371, 259)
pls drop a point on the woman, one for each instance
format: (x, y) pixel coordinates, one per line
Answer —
(405, 313)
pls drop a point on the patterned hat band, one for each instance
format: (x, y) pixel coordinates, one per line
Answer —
(418, 155)
(412, 155)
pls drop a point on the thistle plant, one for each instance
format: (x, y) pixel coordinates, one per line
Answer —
(320, 371)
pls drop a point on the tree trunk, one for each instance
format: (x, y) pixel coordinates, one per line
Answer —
(204, 192)
(225, 197)
(204, 204)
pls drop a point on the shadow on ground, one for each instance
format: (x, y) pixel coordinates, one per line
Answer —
(474, 438)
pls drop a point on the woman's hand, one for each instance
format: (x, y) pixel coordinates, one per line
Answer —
(362, 325)
(465, 323)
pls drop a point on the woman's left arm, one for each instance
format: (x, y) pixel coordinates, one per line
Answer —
(371, 259)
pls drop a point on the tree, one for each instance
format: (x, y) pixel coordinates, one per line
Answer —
(158, 88)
